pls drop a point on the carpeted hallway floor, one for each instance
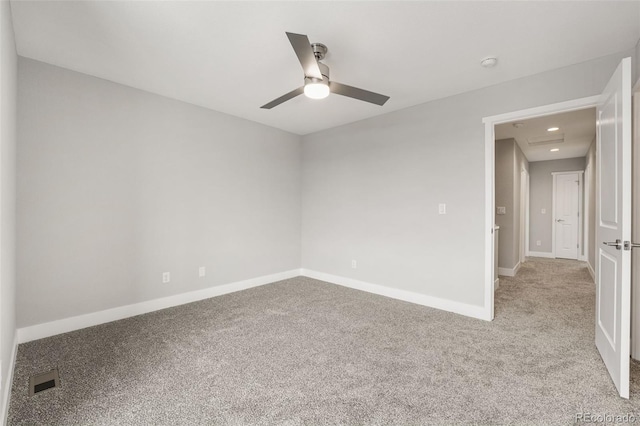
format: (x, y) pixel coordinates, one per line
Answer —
(302, 351)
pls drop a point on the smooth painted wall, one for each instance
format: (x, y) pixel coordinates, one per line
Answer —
(590, 203)
(504, 188)
(8, 141)
(371, 189)
(117, 185)
(520, 163)
(541, 197)
(509, 163)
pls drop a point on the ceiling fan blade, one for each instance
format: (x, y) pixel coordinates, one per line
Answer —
(361, 94)
(284, 98)
(302, 47)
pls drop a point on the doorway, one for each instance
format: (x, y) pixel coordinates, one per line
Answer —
(539, 186)
(613, 215)
(490, 154)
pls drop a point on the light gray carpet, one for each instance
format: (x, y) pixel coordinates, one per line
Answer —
(303, 351)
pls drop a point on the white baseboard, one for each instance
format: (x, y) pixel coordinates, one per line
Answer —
(407, 296)
(7, 382)
(508, 272)
(65, 325)
(591, 272)
(496, 284)
(542, 254)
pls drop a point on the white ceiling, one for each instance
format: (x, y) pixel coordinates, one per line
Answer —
(234, 57)
(576, 128)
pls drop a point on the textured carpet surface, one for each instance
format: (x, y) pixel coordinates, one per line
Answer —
(302, 351)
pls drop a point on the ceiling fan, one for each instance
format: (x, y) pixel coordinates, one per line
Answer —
(316, 76)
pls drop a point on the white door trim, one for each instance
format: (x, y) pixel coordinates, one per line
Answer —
(580, 211)
(585, 222)
(526, 217)
(635, 228)
(489, 177)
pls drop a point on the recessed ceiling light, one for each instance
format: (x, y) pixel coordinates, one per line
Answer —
(554, 149)
(553, 129)
(489, 62)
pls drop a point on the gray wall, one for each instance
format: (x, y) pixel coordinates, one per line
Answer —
(8, 138)
(504, 188)
(520, 162)
(371, 189)
(509, 162)
(117, 186)
(541, 196)
(590, 183)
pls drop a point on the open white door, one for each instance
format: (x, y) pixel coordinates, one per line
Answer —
(613, 226)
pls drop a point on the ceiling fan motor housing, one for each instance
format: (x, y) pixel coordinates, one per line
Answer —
(324, 70)
(325, 75)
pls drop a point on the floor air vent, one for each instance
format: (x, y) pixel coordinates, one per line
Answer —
(44, 381)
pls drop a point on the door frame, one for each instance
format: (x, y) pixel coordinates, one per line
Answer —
(635, 225)
(489, 152)
(586, 236)
(580, 211)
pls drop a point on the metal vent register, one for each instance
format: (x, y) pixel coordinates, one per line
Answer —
(43, 381)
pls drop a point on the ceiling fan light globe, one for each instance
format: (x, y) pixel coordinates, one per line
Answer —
(316, 90)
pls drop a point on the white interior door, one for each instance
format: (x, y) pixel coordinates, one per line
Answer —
(613, 226)
(566, 215)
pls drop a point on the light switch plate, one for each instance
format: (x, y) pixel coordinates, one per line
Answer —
(501, 210)
(442, 209)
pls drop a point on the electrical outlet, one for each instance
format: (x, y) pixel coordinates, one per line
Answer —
(201, 271)
(543, 211)
(166, 277)
(354, 264)
(538, 243)
(442, 209)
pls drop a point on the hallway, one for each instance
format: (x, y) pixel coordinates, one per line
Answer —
(551, 303)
